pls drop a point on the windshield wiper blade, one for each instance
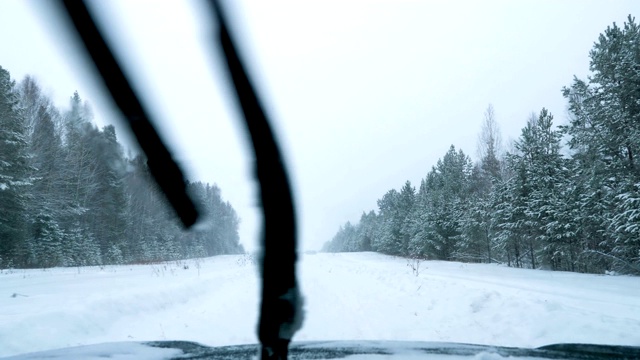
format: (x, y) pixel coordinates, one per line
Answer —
(281, 304)
(162, 166)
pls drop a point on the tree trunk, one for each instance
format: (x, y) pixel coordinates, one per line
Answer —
(533, 256)
(488, 246)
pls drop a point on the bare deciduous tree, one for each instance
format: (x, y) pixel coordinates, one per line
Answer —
(490, 136)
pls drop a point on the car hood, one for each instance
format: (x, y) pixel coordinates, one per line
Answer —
(396, 350)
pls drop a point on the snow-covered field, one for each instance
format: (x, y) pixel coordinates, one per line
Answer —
(357, 296)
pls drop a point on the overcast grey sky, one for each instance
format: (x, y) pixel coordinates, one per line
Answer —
(364, 94)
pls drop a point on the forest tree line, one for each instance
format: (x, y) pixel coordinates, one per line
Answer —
(561, 197)
(70, 197)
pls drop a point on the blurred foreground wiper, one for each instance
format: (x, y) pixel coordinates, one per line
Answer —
(162, 166)
(281, 305)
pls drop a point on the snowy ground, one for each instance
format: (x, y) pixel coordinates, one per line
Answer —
(361, 296)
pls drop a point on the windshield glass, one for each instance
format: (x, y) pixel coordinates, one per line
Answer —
(463, 171)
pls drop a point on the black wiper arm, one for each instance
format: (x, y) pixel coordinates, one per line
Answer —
(162, 166)
(280, 309)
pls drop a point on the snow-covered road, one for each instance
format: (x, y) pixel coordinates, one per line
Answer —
(358, 296)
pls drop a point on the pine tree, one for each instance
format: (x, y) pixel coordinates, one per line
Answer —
(105, 206)
(46, 249)
(366, 230)
(604, 135)
(447, 188)
(532, 208)
(80, 181)
(417, 223)
(15, 175)
(479, 221)
(81, 249)
(388, 239)
(406, 203)
(46, 201)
